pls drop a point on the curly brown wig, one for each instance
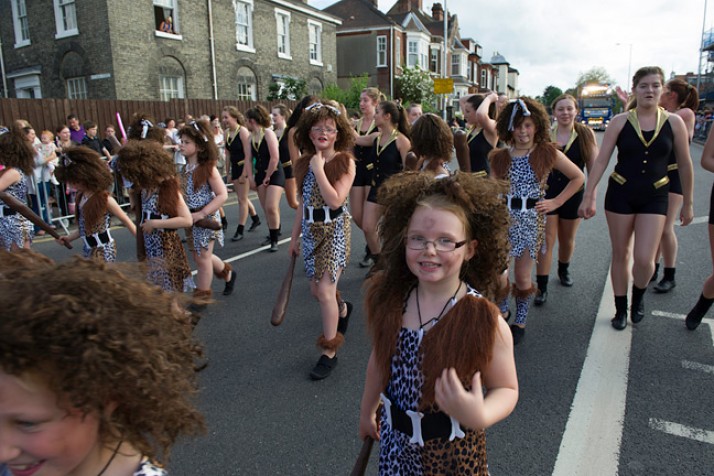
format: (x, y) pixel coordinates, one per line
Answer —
(432, 138)
(86, 334)
(82, 166)
(149, 167)
(15, 151)
(539, 116)
(136, 127)
(486, 220)
(199, 132)
(319, 112)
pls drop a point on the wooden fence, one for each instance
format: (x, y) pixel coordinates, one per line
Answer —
(48, 114)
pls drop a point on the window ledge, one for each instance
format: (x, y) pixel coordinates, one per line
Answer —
(168, 36)
(23, 44)
(66, 34)
(247, 49)
(316, 63)
(285, 56)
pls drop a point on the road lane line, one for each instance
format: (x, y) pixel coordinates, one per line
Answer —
(706, 322)
(591, 441)
(688, 364)
(697, 434)
(246, 254)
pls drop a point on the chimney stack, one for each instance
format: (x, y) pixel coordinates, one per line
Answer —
(437, 12)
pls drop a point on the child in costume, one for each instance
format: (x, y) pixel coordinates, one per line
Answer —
(525, 164)
(205, 193)
(18, 159)
(97, 370)
(85, 171)
(324, 177)
(163, 212)
(436, 340)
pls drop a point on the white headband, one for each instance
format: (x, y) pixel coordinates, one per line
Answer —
(525, 112)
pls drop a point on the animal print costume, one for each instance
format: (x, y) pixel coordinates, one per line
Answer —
(15, 229)
(106, 252)
(197, 236)
(527, 228)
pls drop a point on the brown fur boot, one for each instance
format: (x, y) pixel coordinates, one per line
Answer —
(325, 364)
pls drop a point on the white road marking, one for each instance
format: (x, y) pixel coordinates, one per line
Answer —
(671, 315)
(697, 434)
(246, 254)
(688, 364)
(591, 441)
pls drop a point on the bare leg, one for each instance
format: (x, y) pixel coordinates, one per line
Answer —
(370, 219)
(621, 228)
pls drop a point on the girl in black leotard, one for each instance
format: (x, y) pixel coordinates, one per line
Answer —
(578, 144)
(636, 200)
(280, 114)
(481, 136)
(269, 179)
(237, 149)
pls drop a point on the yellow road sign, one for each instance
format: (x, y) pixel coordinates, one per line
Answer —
(443, 86)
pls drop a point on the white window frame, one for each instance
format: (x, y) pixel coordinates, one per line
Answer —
(247, 90)
(76, 87)
(175, 19)
(434, 51)
(412, 53)
(484, 80)
(282, 24)
(398, 51)
(20, 22)
(171, 87)
(418, 51)
(66, 18)
(314, 32)
(381, 51)
(26, 82)
(248, 6)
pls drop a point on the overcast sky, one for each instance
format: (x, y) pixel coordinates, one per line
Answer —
(550, 42)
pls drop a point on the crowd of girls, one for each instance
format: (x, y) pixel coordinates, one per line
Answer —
(439, 248)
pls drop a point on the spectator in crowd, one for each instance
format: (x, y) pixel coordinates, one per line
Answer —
(92, 141)
(76, 131)
(414, 112)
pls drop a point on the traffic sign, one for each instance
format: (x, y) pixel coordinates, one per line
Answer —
(443, 85)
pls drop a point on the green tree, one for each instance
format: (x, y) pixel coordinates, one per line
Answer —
(416, 85)
(292, 88)
(350, 97)
(597, 74)
(549, 95)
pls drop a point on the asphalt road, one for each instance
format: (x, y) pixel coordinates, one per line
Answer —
(266, 417)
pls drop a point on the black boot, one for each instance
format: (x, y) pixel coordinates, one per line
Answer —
(344, 321)
(224, 223)
(619, 322)
(654, 275)
(695, 316)
(564, 274)
(637, 310)
(667, 283)
(542, 294)
(255, 222)
(273, 240)
(238, 234)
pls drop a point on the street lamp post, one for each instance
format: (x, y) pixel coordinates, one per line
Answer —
(629, 62)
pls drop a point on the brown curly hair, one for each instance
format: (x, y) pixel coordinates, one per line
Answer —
(432, 138)
(154, 133)
(15, 151)
(148, 166)
(319, 112)
(200, 133)
(85, 333)
(538, 115)
(82, 166)
(486, 220)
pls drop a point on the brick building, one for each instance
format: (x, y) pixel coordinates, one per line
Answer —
(112, 49)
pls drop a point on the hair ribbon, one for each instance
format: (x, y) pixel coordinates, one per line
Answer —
(518, 103)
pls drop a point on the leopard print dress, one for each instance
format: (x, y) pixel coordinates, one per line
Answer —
(107, 252)
(165, 255)
(199, 237)
(439, 456)
(147, 468)
(15, 229)
(527, 228)
(325, 246)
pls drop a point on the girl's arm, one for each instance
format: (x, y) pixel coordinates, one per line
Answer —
(274, 150)
(370, 400)
(244, 135)
(116, 210)
(708, 153)
(684, 166)
(689, 119)
(181, 220)
(487, 124)
(575, 183)
(9, 177)
(404, 145)
(63, 240)
(587, 208)
(294, 249)
(292, 146)
(219, 189)
(334, 195)
(593, 154)
(367, 140)
(471, 408)
(228, 157)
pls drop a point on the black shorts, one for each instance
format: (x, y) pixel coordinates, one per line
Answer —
(372, 195)
(288, 169)
(675, 184)
(633, 198)
(278, 177)
(364, 172)
(556, 184)
(237, 169)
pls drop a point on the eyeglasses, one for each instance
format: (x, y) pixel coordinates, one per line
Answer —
(320, 130)
(444, 245)
(318, 105)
